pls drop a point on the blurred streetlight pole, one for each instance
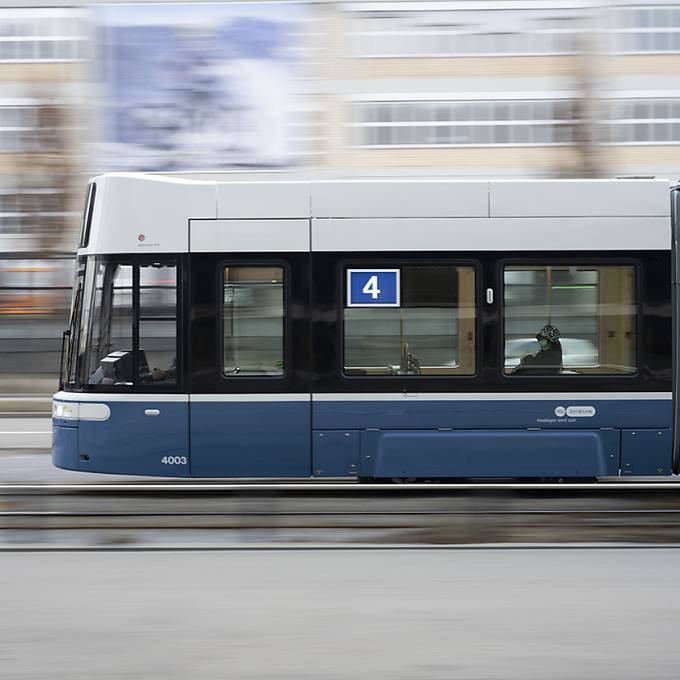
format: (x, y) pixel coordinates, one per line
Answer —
(581, 114)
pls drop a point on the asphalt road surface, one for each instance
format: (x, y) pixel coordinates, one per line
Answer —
(310, 615)
(25, 433)
(36, 468)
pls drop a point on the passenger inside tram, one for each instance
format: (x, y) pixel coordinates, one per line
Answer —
(548, 359)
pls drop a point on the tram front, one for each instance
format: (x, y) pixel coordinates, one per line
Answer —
(121, 407)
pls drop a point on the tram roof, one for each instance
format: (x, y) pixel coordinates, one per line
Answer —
(137, 212)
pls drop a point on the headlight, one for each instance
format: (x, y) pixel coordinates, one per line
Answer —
(65, 410)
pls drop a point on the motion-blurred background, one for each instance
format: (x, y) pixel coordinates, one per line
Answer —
(512, 88)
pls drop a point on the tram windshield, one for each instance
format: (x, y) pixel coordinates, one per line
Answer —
(124, 323)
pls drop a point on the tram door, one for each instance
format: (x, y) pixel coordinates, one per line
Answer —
(249, 402)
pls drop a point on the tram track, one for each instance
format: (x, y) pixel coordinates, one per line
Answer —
(144, 513)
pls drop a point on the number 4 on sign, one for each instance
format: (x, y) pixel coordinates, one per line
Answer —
(371, 287)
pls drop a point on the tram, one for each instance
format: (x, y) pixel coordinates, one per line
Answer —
(372, 329)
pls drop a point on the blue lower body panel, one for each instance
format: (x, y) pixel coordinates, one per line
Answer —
(489, 453)
(336, 453)
(128, 442)
(131, 443)
(646, 452)
(498, 437)
(65, 447)
(513, 413)
(250, 439)
(458, 437)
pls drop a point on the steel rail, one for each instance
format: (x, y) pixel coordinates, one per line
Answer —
(321, 487)
(284, 546)
(337, 513)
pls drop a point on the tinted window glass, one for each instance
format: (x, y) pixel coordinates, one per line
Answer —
(119, 296)
(87, 216)
(158, 323)
(72, 345)
(576, 320)
(432, 332)
(252, 321)
(110, 346)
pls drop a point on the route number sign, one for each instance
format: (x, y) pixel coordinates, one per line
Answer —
(373, 288)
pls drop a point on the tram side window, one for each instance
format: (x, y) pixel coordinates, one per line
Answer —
(158, 323)
(570, 320)
(253, 321)
(431, 332)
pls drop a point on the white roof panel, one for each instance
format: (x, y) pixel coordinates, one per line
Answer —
(249, 236)
(136, 213)
(280, 200)
(400, 198)
(523, 234)
(579, 198)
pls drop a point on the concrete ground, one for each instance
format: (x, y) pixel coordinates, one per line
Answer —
(310, 615)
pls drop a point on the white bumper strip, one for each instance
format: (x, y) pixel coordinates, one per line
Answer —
(364, 396)
(202, 398)
(100, 397)
(494, 396)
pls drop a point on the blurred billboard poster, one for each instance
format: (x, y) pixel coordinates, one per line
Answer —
(199, 86)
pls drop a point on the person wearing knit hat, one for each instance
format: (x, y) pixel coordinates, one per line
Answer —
(549, 333)
(548, 359)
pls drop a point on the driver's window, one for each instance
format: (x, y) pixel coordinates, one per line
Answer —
(110, 345)
(125, 296)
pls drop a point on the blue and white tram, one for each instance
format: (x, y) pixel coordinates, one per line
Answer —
(371, 329)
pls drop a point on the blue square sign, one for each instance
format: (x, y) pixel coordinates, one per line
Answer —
(373, 288)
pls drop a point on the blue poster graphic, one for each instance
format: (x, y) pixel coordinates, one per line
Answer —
(198, 86)
(373, 288)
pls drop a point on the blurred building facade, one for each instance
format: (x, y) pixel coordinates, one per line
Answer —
(548, 88)
(460, 88)
(456, 88)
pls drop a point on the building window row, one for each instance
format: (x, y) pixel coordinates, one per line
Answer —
(17, 202)
(510, 123)
(647, 17)
(649, 41)
(305, 131)
(38, 35)
(463, 123)
(33, 211)
(463, 33)
(441, 33)
(64, 49)
(645, 29)
(31, 128)
(642, 121)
